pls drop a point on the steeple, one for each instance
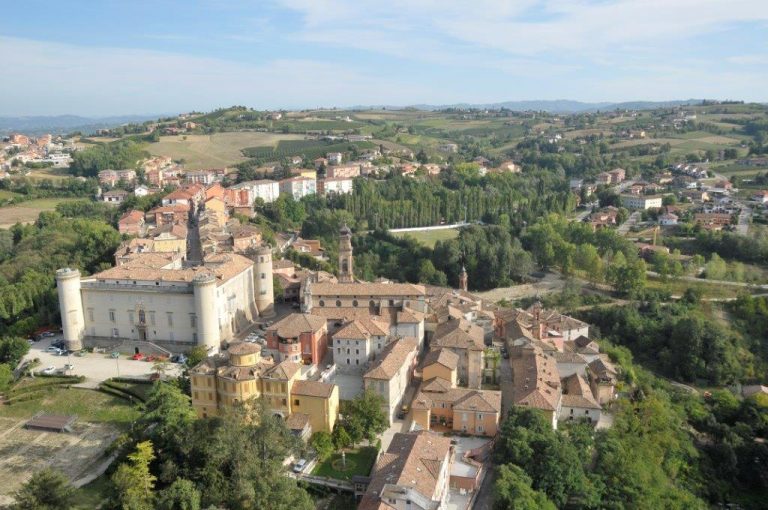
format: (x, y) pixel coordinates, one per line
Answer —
(463, 279)
(346, 272)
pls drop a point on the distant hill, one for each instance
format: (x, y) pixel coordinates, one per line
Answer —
(552, 106)
(60, 124)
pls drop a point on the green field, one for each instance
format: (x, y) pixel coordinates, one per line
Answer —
(89, 405)
(430, 237)
(214, 151)
(27, 212)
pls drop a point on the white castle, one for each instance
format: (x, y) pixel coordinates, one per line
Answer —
(152, 298)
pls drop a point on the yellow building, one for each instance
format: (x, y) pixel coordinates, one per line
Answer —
(319, 401)
(241, 374)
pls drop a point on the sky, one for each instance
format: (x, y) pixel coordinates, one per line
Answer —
(119, 57)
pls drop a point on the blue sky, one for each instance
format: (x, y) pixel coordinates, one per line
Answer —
(105, 57)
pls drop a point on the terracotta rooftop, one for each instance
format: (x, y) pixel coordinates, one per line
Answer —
(367, 289)
(444, 357)
(297, 323)
(141, 268)
(438, 390)
(459, 334)
(297, 421)
(391, 359)
(283, 371)
(577, 393)
(313, 389)
(413, 460)
(241, 348)
(536, 380)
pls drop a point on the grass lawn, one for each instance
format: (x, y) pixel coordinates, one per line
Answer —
(430, 237)
(709, 290)
(359, 462)
(7, 195)
(27, 212)
(214, 151)
(88, 405)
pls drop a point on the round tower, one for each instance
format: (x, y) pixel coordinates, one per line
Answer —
(346, 271)
(306, 302)
(204, 289)
(262, 274)
(71, 307)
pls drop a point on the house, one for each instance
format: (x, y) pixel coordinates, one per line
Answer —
(165, 215)
(450, 148)
(603, 377)
(348, 171)
(391, 373)
(617, 175)
(712, 221)
(643, 202)
(359, 341)
(578, 402)
(466, 340)
(440, 363)
(509, 167)
(334, 158)
(265, 189)
(299, 337)
(668, 219)
(537, 382)
(696, 195)
(112, 177)
(335, 185)
(142, 191)
(114, 197)
(131, 223)
(761, 197)
(310, 246)
(603, 178)
(605, 217)
(205, 177)
(413, 474)
(319, 401)
(298, 187)
(178, 198)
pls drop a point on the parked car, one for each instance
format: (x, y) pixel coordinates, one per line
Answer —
(48, 371)
(48, 334)
(138, 356)
(59, 343)
(299, 466)
(69, 366)
(150, 358)
(53, 349)
(178, 358)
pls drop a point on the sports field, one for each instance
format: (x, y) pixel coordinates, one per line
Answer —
(216, 150)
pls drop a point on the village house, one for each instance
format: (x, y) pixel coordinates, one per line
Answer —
(668, 219)
(349, 171)
(391, 373)
(578, 402)
(712, 221)
(335, 185)
(298, 187)
(114, 197)
(761, 197)
(131, 223)
(466, 340)
(643, 202)
(334, 158)
(299, 337)
(112, 177)
(413, 474)
(537, 382)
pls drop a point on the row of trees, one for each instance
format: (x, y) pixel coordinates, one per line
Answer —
(115, 155)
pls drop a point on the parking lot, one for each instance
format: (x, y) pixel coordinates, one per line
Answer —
(94, 367)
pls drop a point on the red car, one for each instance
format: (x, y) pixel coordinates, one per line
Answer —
(138, 356)
(150, 358)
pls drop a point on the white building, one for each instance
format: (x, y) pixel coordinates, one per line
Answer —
(641, 201)
(153, 299)
(578, 402)
(336, 185)
(668, 219)
(391, 374)
(335, 158)
(358, 342)
(298, 187)
(141, 191)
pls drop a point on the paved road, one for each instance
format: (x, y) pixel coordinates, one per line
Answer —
(95, 367)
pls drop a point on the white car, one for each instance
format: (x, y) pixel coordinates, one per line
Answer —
(299, 466)
(48, 371)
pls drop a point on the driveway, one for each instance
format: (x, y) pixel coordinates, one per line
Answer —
(95, 367)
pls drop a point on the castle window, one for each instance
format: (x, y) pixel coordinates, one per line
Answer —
(371, 303)
(192, 320)
(263, 276)
(338, 303)
(322, 303)
(112, 316)
(90, 314)
(296, 402)
(169, 316)
(354, 303)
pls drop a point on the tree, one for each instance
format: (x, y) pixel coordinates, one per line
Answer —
(133, 480)
(195, 355)
(6, 376)
(160, 367)
(341, 438)
(12, 349)
(181, 495)
(322, 443)
(513, 491)
(46, 490)
(168, 415)
(364, 417)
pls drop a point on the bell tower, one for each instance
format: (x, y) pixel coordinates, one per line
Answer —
(346, 272)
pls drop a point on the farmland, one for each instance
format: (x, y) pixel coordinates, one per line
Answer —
(430, 237)
(216, 150)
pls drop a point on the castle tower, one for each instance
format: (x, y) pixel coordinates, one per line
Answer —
(71, 307)
(346, 271)
(208, 333)
(262, 274)
(463, 279)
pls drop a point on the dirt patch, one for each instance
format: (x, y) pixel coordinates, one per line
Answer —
(24, 452)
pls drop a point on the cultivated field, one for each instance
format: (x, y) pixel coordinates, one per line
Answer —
(28, 212)
(214, 151)
(23, 452)
(430, 237)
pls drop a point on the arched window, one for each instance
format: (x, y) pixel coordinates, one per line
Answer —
(345, 266)
(338, 303)
(322, 303)
(354, 302)
(371, 303)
